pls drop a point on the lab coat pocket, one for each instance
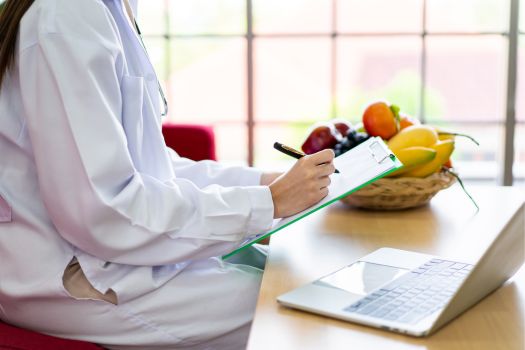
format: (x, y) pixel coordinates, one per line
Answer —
(142, 127)
(132, 115)
(76, 285)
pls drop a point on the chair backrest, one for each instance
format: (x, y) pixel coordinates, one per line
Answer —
(196, 142)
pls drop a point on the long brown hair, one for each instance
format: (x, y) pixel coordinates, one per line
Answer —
(12, 12)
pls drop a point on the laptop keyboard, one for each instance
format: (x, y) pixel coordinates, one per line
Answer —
(416, 294)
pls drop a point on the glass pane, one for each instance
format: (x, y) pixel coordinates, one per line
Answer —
(207, 80)
(519, 156)
(378, 68)
(478, 163)
(520, 97)
(290, 134)
(394, 16)
(522, 17)
(292, 16)
(152, 17)
(231, 140)
(207, 16)
(466, 78)
(467, 15)
(292, 79)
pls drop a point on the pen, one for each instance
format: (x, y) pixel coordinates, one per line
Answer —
(291, 151)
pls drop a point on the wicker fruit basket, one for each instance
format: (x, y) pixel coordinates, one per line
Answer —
(400, 193)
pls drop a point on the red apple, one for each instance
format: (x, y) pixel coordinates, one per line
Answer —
(342, 126)
(323, 136)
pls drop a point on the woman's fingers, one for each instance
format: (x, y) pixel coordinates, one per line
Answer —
(321, 157)
(324, 182)
(326, 169)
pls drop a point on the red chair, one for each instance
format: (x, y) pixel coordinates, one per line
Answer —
(14, 338)
(196, 142)
(191, 141)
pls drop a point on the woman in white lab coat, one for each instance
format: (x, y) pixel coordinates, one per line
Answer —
(105, 234)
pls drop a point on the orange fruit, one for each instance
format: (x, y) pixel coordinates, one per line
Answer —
(405, 121)
(381, 119)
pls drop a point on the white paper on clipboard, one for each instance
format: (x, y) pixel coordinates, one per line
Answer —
(358, 167)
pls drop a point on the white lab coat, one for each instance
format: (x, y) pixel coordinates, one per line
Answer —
(85, 170)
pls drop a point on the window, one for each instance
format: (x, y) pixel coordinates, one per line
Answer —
(265, 70)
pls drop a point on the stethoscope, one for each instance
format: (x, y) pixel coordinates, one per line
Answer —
(161, 91)
(139, 32)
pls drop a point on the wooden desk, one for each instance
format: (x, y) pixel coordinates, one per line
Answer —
(336, 236)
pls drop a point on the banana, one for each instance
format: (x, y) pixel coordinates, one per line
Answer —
(451, 135)
(443, 151)
(415, 135)
(412, 157)
(445, 134)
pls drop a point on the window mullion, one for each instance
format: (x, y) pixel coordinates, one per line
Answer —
(510, 115)
(250, 86)
(423, 63)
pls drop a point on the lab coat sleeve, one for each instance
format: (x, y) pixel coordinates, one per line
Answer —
(207, 172)
(96, 198)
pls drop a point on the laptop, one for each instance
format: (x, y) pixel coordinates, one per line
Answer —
(408, 292)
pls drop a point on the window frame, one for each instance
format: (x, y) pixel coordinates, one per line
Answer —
(510, 122)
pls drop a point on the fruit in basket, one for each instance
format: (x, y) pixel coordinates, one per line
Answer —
(410, 145)
(451, 135)
(443, 151)
(381, 119)
(412, 157)
(321, 137)
(415, 135)
(328, 135)
(352, 139)
(423, 149)
(445, 136)
(405, 121)
(343, 126)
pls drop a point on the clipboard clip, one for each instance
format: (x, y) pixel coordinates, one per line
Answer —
(379, 151)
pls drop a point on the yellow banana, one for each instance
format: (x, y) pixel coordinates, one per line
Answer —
(443, 151)
(415, 135)
(412, 157)
(445, 135)
(451, 135)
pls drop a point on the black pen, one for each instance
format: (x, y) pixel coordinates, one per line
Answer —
(291, 152)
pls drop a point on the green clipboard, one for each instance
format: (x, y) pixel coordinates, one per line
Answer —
(358, 168)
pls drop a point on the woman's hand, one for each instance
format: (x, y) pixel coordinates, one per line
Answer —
(305, 184)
